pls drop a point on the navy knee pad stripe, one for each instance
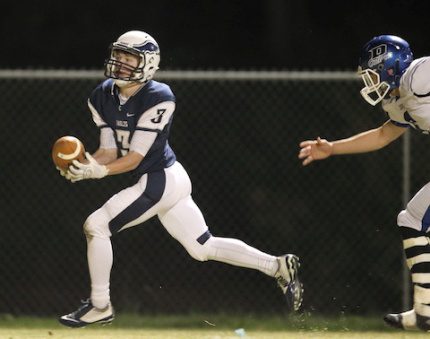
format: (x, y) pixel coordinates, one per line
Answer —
(204, 237)
(408, 232)
(154, 190)
(416, 250)
(422, 267)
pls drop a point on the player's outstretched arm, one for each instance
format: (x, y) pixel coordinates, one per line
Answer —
(368, 141)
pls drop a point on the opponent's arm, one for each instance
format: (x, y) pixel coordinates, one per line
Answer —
(368, 141)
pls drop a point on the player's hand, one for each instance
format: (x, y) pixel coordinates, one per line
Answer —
(62, 172)
(311, 150)
(92, 170)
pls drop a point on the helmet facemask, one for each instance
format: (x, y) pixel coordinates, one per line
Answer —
(374, 90)
(117, 69)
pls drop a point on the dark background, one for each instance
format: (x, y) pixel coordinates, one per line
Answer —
(221, 34)
(237, 139)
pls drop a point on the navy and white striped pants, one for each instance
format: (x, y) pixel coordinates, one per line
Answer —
(167, 194)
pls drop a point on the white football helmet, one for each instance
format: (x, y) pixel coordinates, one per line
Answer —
(141, 45)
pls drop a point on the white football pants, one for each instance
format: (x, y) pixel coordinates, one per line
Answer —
(417, 212)
(166, 194)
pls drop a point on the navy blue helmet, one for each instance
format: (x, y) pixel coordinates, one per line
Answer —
(382, 62)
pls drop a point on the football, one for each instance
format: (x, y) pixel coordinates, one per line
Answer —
(65, 150)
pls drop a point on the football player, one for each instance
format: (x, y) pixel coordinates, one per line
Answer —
(134, 114)
(402, 86)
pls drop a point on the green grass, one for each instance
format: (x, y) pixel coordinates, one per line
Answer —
(90, 333)
(206, 326)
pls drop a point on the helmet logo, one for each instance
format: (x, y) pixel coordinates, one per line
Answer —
(378, 54)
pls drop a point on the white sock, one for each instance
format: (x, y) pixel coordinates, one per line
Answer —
(100, 259)
(409, 320)
(236, 252)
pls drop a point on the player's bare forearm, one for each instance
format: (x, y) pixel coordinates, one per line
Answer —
(372, 140)
(105, 155)
(124, 164)
(368, 141)
(117, 165)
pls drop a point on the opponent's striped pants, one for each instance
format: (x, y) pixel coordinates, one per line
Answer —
(414, 224)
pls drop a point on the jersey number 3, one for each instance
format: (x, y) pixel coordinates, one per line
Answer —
(159, 116)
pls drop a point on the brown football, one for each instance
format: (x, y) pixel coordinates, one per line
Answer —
(65, 150)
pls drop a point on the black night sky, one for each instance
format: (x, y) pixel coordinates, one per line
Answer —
(209, 34)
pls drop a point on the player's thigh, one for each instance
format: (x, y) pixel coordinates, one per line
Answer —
(156, 192)
(417, 212)
(135, 204)
(178, 186)
(153, 193)
(184, 221)
(123, 199)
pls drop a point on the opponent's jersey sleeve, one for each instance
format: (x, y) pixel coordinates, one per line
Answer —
(395, 109)
(107, 138)
(416, 79)
(415, 93)
(149, 125)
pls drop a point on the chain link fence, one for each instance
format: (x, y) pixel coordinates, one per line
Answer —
(237, 134)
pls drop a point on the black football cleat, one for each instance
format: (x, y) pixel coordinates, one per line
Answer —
(288, 280)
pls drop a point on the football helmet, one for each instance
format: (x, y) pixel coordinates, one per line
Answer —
(139, 44)
(382, 62)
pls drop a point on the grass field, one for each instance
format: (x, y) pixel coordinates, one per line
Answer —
(197, 326)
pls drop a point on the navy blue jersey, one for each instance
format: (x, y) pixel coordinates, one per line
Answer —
(148, 110)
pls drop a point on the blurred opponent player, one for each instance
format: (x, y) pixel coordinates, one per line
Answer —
(134, 114)
(403, 88)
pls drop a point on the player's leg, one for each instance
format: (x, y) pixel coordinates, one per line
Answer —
(414, 224)
(185, 222)
(127, 208)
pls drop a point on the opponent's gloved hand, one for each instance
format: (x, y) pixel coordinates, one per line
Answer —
(93, 170)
